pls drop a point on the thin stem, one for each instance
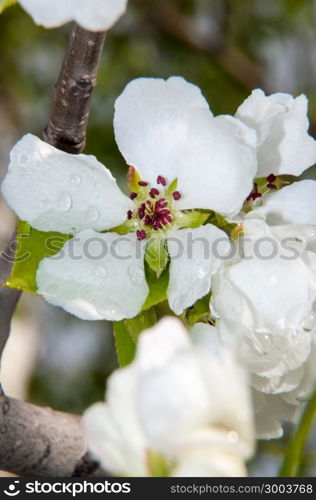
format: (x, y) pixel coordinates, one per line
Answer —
(295, 450)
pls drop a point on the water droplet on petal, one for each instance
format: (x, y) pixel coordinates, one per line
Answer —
(202, 273)
(110, 311)
(136, 274)
(101, 272)
(64, 202)
(43, 203)
(92, 214)
(23, 158)
(309, 322)
(233, 437)
(273, 281)
(75, 180)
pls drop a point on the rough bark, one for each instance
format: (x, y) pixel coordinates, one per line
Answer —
(66, 127)
(41, 442)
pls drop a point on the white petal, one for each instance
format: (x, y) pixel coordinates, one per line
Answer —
(284, 145)
(206, 336)
(96, 276)
(94, 15)
(57, 191)
(270, 413)
(217, 164)
(307, 384)
(151, 123)
(199, 462)
(277, 385)
(195, 255)
(294, 204)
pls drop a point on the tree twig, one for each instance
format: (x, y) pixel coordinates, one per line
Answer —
(41, 442)
(67, 124)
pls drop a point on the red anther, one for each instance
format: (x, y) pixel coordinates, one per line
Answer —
(147, 220)
(143, 183)
(153, 192)
(161, 203)
(129, 214)
(271, 186)
(141, 213)
(149, 204)
(166, 219)
(141, 234)
(271, 178)
(256, 195)
(133, 196)
(162, 211)
(161, 180)
(176, 195)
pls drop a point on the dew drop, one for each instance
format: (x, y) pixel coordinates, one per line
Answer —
(136, 275)
(233, 437)
(309, 322)
(92, 214)
(111, 310)
(64, 202)
(23, 158)
(43, 203)
(273, 281)
(101, 272)
(75, 180)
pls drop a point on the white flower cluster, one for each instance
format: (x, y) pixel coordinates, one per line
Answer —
(182, 407)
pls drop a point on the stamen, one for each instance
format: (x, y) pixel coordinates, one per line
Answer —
(143, 183)
(129, 214)
(153, 192)
(141, 212)
(161, 180)
(161, 203)
(162, 211)
(271, 178)
(147, 220)
(133, 196)
(176, 195)
(166, 219)
(271, 186)
(141, 234)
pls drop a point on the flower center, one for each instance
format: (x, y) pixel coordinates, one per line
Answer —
(154, 208)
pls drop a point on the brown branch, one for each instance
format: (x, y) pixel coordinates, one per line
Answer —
(66, 128)
(41, 442)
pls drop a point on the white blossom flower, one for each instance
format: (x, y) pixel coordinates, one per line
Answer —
(265, 299)
(177, 405)
(284, 145)
(167, 132)
(93, 15)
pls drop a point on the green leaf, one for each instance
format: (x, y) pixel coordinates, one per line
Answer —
(157, 287)
(124, 344)
(32, 247)
(199, 312)
(294, 453)
(191, 219)
(126, 334)
(6, 3)
(156, 254)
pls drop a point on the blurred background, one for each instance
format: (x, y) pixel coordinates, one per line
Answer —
(227, 47)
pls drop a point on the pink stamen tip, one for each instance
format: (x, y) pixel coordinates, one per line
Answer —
(161, 180)
(256, 195)
(271, 178)
(141, 213)
(176, 195)
(153, 192)
(147, 220)
(143, 183)
(166, 219)
(271, 186)
(162, 211)
(129, 214)
(149, 204)
(141, 234)
(161, 203)
(133, 196)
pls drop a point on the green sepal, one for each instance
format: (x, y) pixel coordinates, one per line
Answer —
(156, 255)
(200, 312)
(157, 287)
(32, 247)
(192, 219)
(127, 227)
(126, 334)
(222, 223)
(4, 4)
(133, 178)
(158, 465)
(171, 188)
